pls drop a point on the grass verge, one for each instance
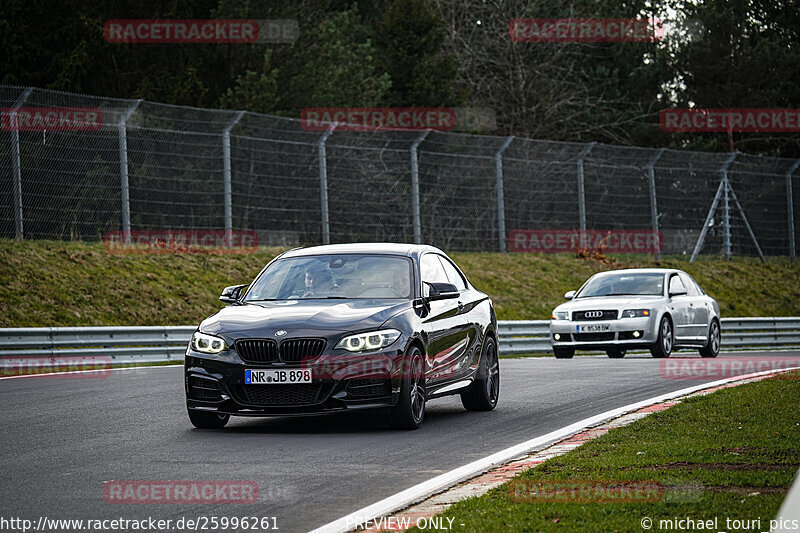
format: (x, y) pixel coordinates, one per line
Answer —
(730, 454)
(53, 283)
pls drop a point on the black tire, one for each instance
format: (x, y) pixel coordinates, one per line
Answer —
(563, 352)
(711, 349)
(666, 339)
(203, 420)
(410, 409)
(616, 353)
(484, 392)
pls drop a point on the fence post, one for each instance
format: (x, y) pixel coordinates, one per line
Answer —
(722, 189)
(651, 175)
(415, 217)
(226, 177)
(581, 193)
(501, 205)
(323, 185)
(726, 212)
(790, 209)
(16, 165)
(122, 135)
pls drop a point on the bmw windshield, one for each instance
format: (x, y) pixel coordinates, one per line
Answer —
(623, 285)
(334, 277)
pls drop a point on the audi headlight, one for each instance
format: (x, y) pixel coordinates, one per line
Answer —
(373, 340)
(560, 315)
(635, 313)
(204, 343)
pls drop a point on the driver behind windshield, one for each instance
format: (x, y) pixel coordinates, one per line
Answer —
(318, 283)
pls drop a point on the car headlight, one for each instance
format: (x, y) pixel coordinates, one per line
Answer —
(634, 313)
(560, 315)
(204, 343)
(372, 340)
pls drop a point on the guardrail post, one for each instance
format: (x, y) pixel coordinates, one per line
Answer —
(651, 175)
(501, 204)
(415, 216)
(323, 184)
(16, 165)
(581, 193)
(226, 177)
(790, 209)
(122, 135)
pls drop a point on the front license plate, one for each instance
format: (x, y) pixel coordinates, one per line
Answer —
(593, 328)
(276, 377)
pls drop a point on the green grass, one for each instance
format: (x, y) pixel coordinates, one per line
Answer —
(48, 283)
(731, 454)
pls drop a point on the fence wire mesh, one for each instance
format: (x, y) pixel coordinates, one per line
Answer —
(151, 166)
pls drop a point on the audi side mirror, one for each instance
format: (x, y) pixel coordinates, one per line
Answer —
(569, 295)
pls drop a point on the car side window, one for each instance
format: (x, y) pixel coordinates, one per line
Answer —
(453, 274)
(675, 284)
(691, 287)
(432, 271)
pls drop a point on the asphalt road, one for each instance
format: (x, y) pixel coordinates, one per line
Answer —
(63, 437)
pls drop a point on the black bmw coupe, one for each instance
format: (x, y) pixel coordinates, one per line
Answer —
(345, 327)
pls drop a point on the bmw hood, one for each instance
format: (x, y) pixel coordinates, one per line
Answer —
(305, 315)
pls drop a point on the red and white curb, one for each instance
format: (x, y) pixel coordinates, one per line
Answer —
(418, 504)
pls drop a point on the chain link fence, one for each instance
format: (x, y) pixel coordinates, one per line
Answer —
(151, 166)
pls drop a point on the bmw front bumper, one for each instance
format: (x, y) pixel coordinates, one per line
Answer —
(215, 383)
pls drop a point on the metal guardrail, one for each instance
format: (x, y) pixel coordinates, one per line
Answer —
(148, 344)
(117, 344)
(532, 336)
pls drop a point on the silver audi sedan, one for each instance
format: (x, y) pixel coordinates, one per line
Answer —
(656, 308)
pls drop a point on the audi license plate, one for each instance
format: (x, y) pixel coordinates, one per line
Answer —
(276, 377)
(593, 328)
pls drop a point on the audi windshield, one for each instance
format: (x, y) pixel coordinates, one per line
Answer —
(623, 285)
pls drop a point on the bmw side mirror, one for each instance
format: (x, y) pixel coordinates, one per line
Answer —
(231, 295)
(442, 291)
(569, 295)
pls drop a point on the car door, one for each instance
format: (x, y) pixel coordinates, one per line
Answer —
(448, 336)
(698, 308)
(472, 317)
(679, 307)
